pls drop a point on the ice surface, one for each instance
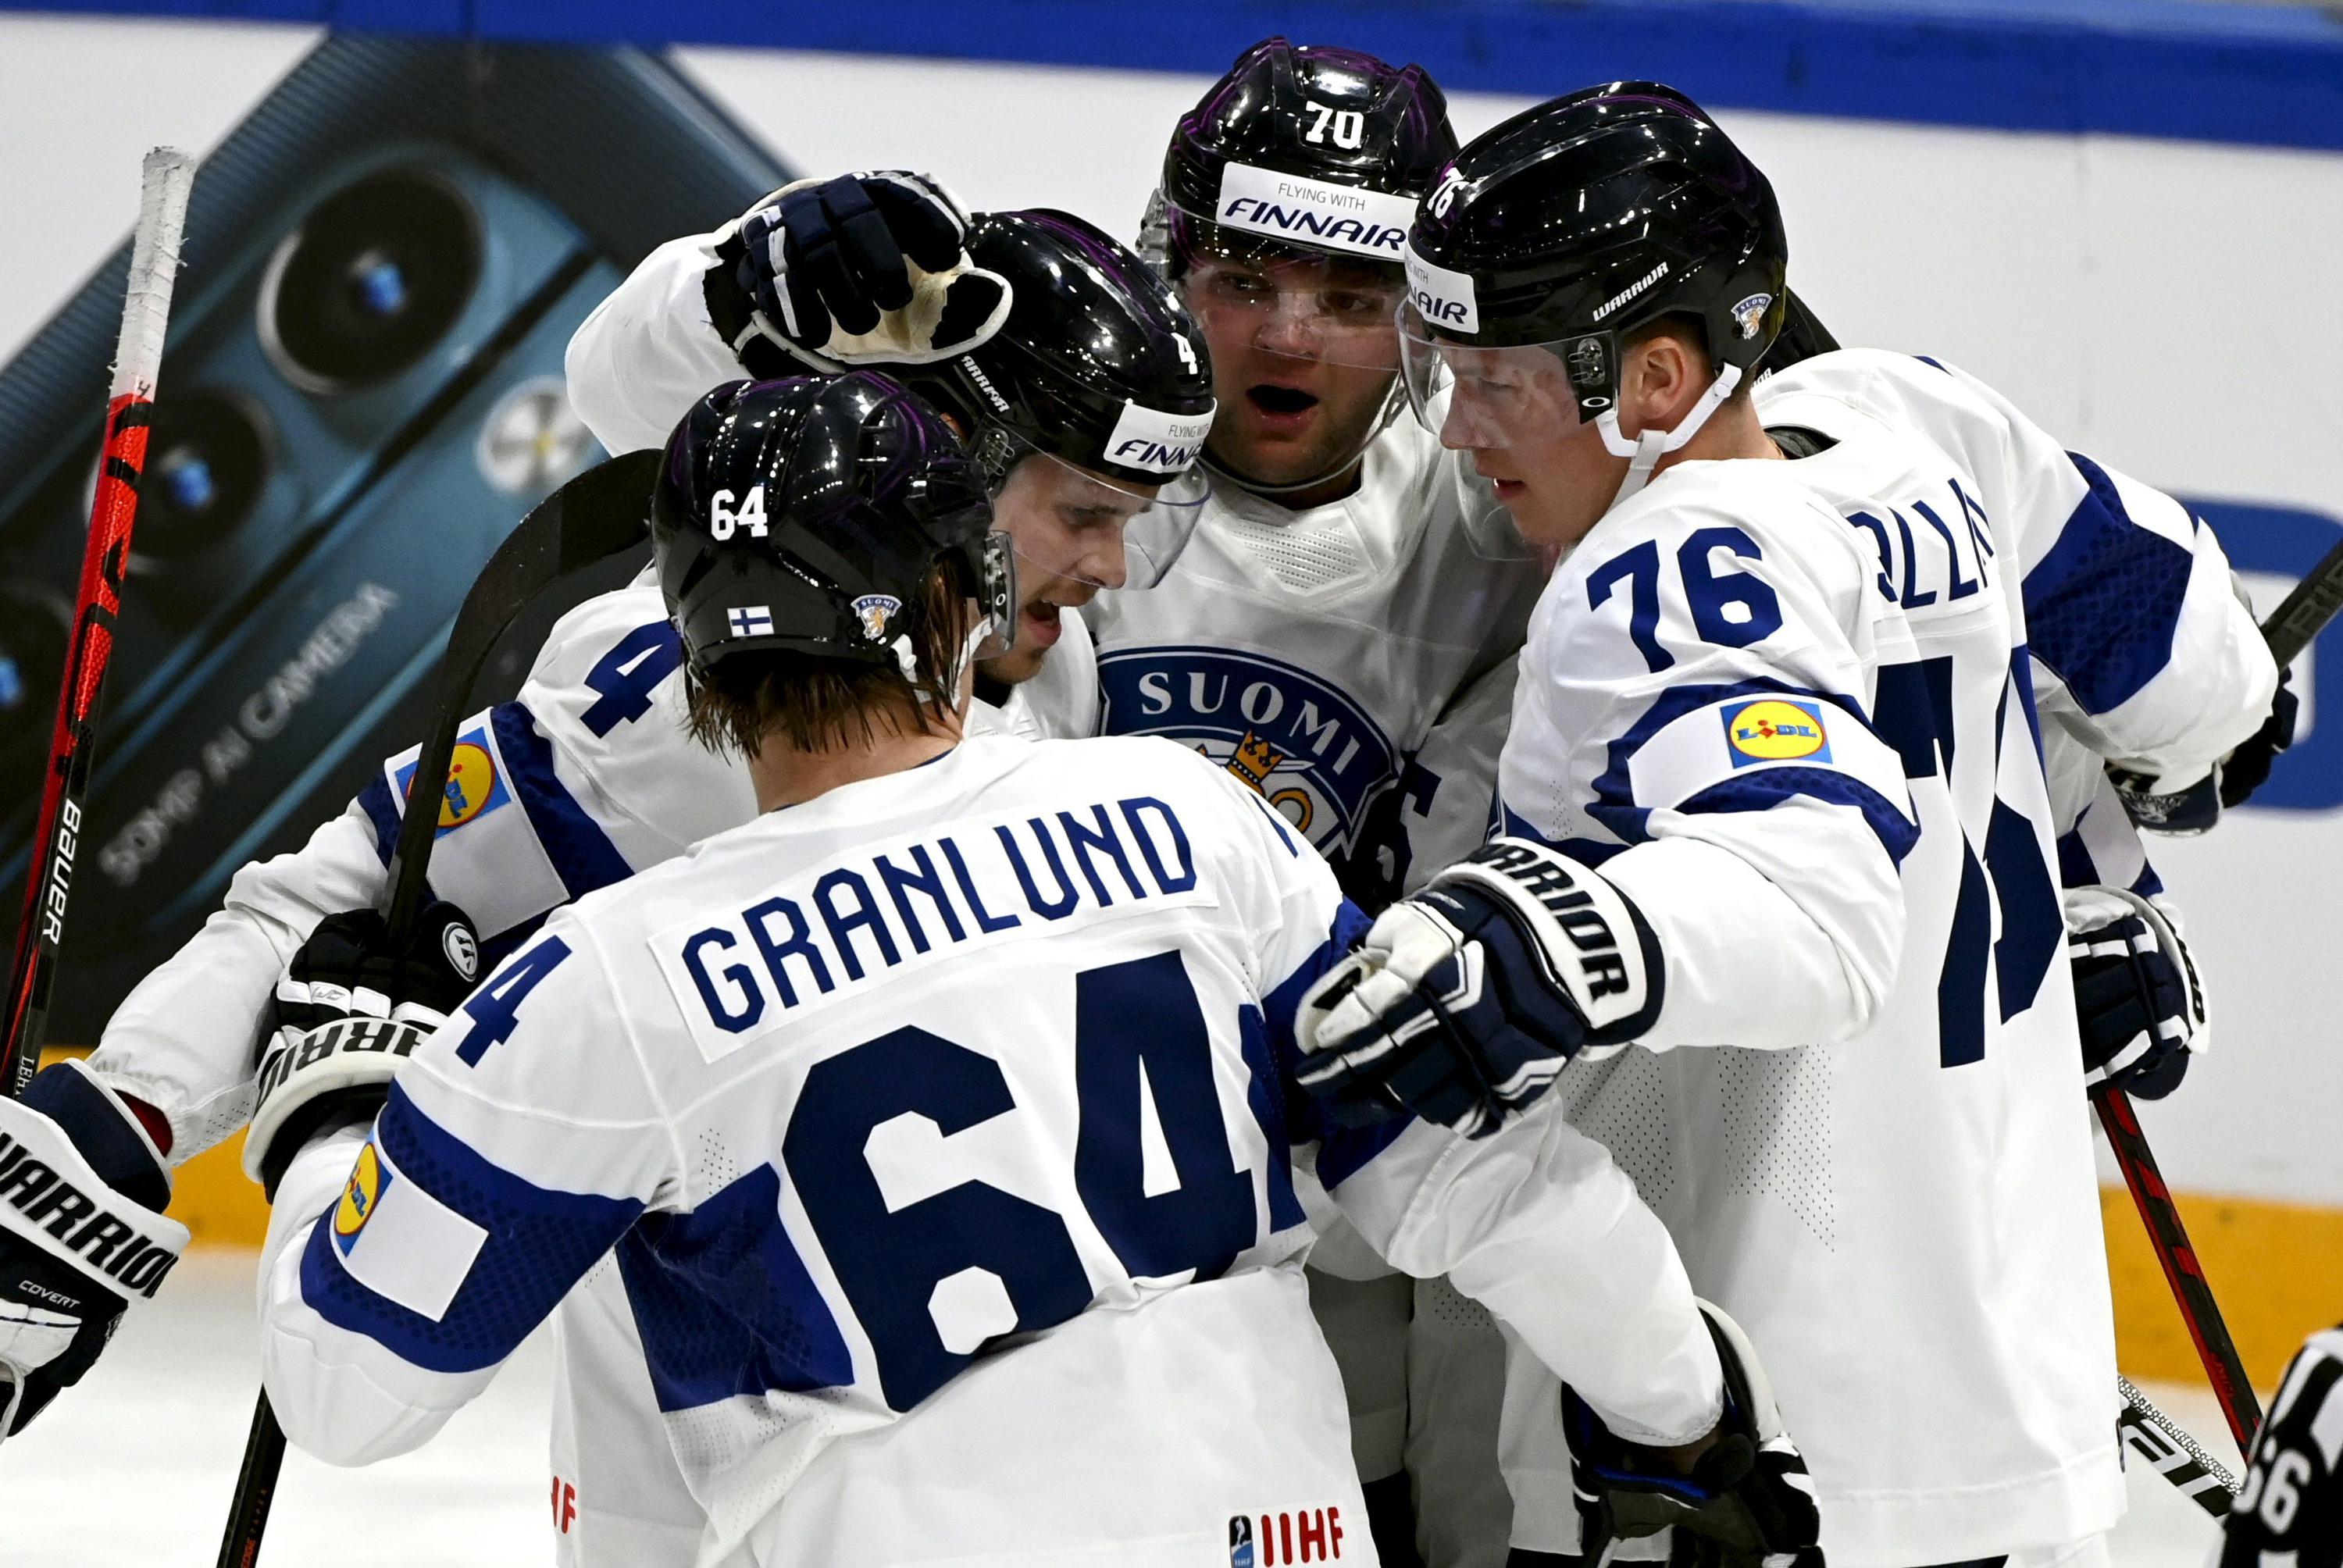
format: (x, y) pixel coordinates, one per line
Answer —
(134, 1468)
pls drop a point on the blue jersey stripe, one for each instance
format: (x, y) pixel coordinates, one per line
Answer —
(1585, 852)
(1342, 1150)
(725, 1305)
(1615, 805)
(540, 1242)
(2076, 867)
(382, 808)
(1266, 1094)
(2101, 608)
(582, 854)
(1770, 787)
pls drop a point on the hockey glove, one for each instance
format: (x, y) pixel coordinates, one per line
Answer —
(2153, 804)
(82, 1232)
(347, 1013)
(2136, 998)
(1467, 998)
(2290, 1508)
(863, 269)
(1748, 1499)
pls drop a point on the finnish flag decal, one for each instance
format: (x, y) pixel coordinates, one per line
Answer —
(752, 621)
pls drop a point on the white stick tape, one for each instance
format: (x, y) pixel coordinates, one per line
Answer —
(168, 175)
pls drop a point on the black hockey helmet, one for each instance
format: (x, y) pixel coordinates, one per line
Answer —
(804, 515)
(1572, 224)
(1098, 364)
(1304, 148)
(1284, 208)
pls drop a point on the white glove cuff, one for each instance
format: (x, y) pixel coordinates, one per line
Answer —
(347, 1053)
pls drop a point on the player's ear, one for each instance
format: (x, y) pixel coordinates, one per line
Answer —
(1655, 382)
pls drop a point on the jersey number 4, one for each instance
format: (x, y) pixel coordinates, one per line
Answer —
(982, 1258)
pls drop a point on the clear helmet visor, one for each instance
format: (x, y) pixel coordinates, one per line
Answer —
(1066, 521)
(1269, 298)
(1522, 395)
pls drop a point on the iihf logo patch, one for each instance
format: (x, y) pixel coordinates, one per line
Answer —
(875, 610)
(1240, 1541)
(1309, 749)
(750, 620)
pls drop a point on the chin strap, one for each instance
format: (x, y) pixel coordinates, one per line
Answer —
(1644, 451)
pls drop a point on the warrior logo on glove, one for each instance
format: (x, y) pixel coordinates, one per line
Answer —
(1467, 999)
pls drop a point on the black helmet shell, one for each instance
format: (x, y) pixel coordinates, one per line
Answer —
(1098, 362)
(1368, 137)
(1580, 220)
(803, 514)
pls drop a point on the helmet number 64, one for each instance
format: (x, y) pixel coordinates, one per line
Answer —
(723, 521)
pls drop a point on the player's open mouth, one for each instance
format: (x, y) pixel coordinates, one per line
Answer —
(1041, 627)
(1282, 401)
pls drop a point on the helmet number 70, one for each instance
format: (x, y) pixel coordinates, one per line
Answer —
(1349, 126)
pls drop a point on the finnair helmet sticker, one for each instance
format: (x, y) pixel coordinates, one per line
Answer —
(1443, 297)
(1157, 442)
(1314, 212)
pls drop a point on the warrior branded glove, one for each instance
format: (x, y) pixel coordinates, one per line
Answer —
(866, 269)
(1747, 1500)
(348, 1011)
(2136, 997)
(2291, 1509)
(1468, 997)
(82, 1232)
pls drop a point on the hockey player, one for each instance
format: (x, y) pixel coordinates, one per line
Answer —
(1778, 718)
(2291, 1509)
(1338, 631)
(951, 1096)
(585, 778)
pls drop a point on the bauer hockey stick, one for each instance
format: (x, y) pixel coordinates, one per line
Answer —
(163, 191)
(594, 515)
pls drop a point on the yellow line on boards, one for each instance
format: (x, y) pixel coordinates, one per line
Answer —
(2275, 1268)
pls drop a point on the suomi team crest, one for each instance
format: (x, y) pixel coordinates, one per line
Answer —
(1311, 751)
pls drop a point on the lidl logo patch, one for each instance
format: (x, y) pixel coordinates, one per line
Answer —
(474, 787)
(367, 1180)
(1775, 729)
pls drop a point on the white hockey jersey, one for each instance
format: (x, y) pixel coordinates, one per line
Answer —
(1791, 708)
(1351, 661)
(945, 1125)
(586, 776)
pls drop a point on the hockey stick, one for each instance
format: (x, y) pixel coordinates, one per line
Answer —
(2169, 1238)
(2290, 628)
(2172, 1454)
(593, 517)
(2304, 612)
(165, 181)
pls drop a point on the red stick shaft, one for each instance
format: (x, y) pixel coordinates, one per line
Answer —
(138, 359)
(58, 835)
